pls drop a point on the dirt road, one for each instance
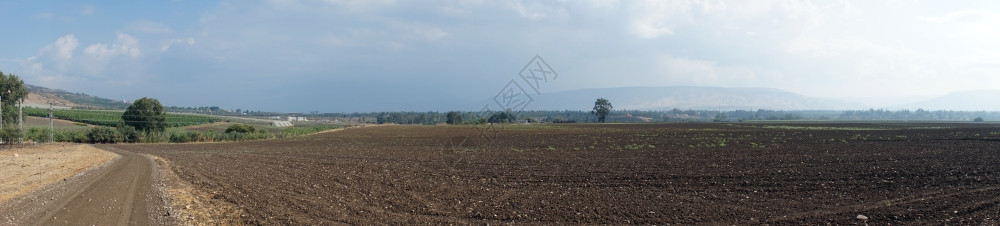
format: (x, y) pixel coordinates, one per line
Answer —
(118, 193)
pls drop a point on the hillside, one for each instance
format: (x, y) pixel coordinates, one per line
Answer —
(977, 100)
(41, 97)
(685, 97)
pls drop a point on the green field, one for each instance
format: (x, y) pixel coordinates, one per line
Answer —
(113, 118)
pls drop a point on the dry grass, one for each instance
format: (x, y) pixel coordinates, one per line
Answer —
(23, 170)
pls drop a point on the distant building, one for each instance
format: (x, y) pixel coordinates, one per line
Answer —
(297, 119)
(281, 123)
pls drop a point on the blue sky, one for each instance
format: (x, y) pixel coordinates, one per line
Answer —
(346, 56)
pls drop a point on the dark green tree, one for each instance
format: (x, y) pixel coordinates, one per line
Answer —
(454, 118)
(146, 115)
(13, 91)
(502, 117)
(602, 107)
(721, 117)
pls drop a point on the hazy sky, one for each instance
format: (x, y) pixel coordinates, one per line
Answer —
(345, 56)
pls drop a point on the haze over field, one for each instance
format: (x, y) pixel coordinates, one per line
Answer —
(346, 56)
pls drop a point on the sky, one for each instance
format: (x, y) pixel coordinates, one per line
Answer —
(386, 55)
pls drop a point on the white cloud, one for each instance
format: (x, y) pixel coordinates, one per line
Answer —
(697, 71)
(818, 48)
(965, 16)
(126, 45)
(59, 64)
(354, 6)
(690, 71)
(534, 10)
(167, 44)
(62, 49)
(652, 19)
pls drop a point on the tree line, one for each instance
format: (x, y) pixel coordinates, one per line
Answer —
(673, 115)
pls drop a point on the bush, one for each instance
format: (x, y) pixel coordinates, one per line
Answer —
(103, 134)
(9, 135)
(978, 119)
(240, 128)
(37, 134)
(185, 136)
(70, 136)
(129, 134)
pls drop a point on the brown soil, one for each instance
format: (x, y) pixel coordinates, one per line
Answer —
(606, 174)
(30, 121)
(43, 99)
(191, 206)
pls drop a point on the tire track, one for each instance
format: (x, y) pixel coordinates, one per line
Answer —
(120, 195)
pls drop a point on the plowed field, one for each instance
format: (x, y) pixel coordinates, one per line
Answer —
(802, 173)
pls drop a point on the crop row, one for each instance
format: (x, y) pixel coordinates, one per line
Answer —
(114, 118)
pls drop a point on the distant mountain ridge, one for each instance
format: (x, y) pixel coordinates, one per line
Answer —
(686, 97)
(974, 100)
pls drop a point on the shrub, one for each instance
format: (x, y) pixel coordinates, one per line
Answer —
(103, 134)
(37, 134)
(154, 137)
(240, 128)
(9, 135)
(129, 134)
(70, 136)
(978, 119)
(180, 136)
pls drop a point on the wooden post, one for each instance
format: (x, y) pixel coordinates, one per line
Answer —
(51, 128)
(20, 122)
(1, 117)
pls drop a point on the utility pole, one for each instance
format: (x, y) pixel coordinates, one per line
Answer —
(20, 122)
(51, 129)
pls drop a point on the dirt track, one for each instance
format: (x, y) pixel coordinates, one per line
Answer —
(119, 192)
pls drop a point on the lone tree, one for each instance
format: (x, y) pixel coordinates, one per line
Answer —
(602, 107)
(454, 118)
(146, 115)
